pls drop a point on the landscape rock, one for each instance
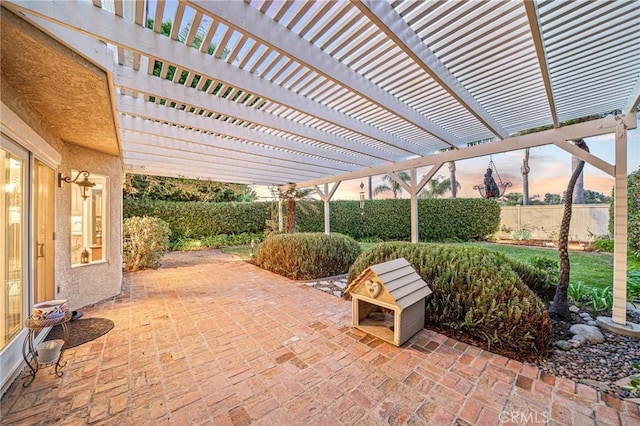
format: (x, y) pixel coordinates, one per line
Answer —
(575, 343)
(592, 323)
(564, 345)
(591, 333)
(579, 338)
(574, 309)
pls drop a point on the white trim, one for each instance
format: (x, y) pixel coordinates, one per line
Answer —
(21, 133)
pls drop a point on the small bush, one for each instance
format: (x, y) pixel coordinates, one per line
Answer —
(603, 243)
(475, 293)
(146, 240)
(521, 235)
(306, 256)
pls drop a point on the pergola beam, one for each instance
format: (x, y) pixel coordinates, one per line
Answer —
(201, 142)
(278, 38)
(236, 168)
(142, 108)
(573, 132)
(393, 26)
(163, 170)
(145, 144)
(533, 17)
(165, 89)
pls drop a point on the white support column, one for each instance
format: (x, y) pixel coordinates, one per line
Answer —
(414, 206)
(620, 224)
(280, 216)
(327, 222)
(326, 196)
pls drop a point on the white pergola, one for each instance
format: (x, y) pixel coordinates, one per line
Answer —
(318, 92)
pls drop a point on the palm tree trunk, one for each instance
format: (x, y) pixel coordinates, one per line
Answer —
(525, 177)
(578, 191)
(452, 179)
(291, 215)
(560, 307)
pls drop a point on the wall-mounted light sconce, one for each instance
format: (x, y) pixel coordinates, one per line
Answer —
(85, 184)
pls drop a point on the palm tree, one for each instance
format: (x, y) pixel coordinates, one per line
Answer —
(437, 187)
(455, 185)
(390, 185)
(525, 169)
(294, 197)
(560, 307)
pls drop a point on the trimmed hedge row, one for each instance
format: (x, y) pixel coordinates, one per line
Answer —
(476, 292)
(306, 256)
(462, 219)
(199, 219)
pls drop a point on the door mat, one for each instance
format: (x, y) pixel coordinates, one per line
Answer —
(82, 331)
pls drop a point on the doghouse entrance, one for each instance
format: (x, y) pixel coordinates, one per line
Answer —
(376, 320)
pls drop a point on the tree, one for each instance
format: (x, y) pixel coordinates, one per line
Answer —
(390, 185)
(295, 197)
(455, 185)
(552, 198)
(525, 169)
(560, 307)
(578, 190)
(437, 187)
(594, 197)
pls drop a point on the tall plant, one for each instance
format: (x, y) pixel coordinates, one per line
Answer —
(390, 185)
(560, 307)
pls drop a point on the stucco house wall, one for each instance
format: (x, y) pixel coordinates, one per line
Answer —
(87, 284)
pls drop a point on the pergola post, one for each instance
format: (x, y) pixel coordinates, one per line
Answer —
(620, 223)
(414, 207)
(280, 216)
(326, 196)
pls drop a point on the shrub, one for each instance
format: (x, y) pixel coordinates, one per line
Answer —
(633, 214)
(475, 293)
(146, 240)
(603, 243)
(306, 256)
(214, 241)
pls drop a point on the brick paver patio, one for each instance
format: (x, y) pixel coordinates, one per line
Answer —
(228, 343)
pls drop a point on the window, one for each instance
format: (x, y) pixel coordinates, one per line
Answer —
(88, 221)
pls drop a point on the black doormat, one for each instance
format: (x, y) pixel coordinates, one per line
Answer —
(82, 331)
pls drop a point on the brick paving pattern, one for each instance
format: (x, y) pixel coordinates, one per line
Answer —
(227, 343)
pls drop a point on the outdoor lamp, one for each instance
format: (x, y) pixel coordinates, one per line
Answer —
(85, 184)
(361, 195)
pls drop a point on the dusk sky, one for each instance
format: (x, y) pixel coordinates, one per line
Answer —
(550, 170)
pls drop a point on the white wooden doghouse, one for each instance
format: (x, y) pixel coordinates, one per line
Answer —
(396, 287)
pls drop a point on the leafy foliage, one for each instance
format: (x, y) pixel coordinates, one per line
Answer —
(197, 220)
(439, 219)
(142, 187)
(460, 219)
(305, 256)
(214, 241)
(145, 241)
(603, 243)
(476, 292)
(634, 381)
(633, 214)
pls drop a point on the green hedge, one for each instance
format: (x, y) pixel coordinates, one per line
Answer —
(306, 256)
(460, 219)
(633, 213)
(476, 293)
(439, 219)
(199, 219)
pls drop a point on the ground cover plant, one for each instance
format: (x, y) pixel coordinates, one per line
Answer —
(477, 295)
(307, 255)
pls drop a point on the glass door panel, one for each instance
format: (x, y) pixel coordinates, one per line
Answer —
(44, 217)
(12, 253)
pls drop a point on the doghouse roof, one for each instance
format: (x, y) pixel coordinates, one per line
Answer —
(399, 281)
